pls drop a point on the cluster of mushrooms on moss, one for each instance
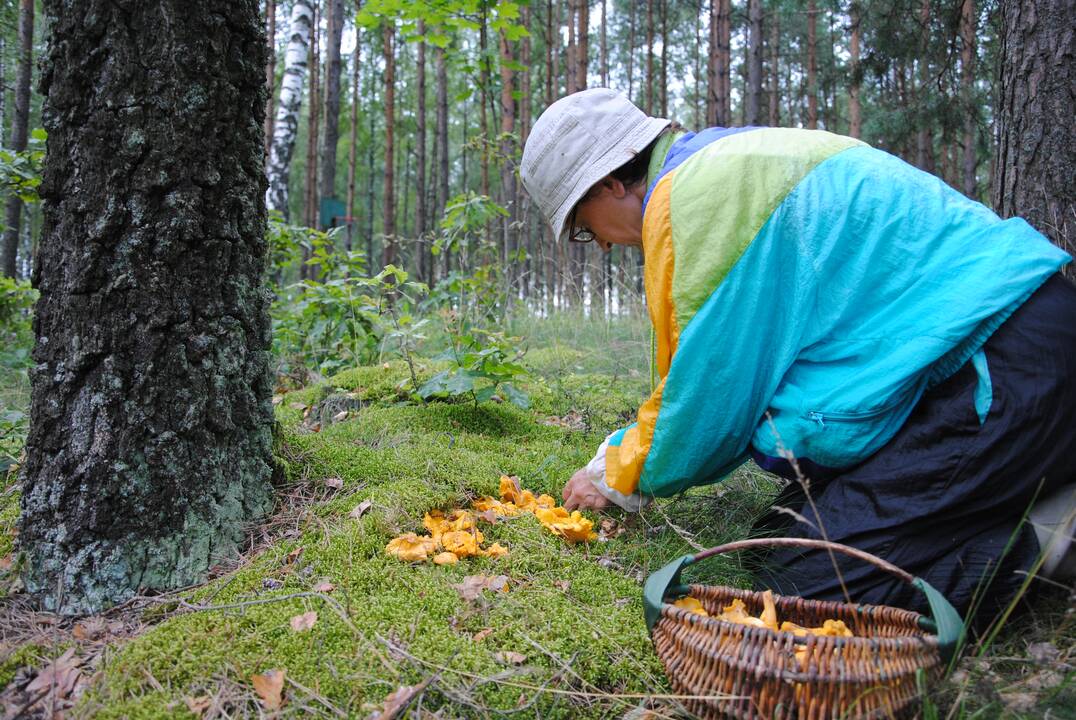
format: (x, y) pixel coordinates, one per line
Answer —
(455, 534)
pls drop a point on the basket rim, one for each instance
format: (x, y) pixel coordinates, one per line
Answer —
(921, 637)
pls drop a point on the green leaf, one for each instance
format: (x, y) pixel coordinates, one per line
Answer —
(515, 396)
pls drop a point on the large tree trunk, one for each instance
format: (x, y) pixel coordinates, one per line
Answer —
(420, 169)
(1035, 159)
(334, 11)
(150, 432)
(19, 132)
(286, 125)
(855, 120)
(388, 255)
(812, 65)
(753, 112)
(970, 184)
(270, 71)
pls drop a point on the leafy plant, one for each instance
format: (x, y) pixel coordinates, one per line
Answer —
(20, 172)
(483, 364)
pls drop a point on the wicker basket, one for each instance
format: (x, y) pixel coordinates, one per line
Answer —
(725, 669)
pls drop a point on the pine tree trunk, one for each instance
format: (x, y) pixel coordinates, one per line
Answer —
(582, 46)
(812, 66)
(310, 209)
(664, 58)
(649, 57)
(855, 120)
(699, 105)
(724, 36)
(924, 137)
(19, 133)
(270, 71)
(1035, 158)
(570, 79)
(712, 82)
(442, 129)
(335, 15)
(388, 256)
(753, 113)
(969, 182)
(508, 127)
(550, 68)
(604, 46)
(420, 160)
(286, 125)
(631, 49)
(150, 432)
(353, 150)
(775, 70)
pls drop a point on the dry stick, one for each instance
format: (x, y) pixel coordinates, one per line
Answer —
(684, 534)
(321, 699)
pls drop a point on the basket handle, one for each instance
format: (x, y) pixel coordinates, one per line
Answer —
(946, 622)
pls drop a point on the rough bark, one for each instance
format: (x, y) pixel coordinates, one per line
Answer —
(812, 65)
(969, 182)
(582, 46)
(270, 71)
(19, 133)
(855, 119)
(388, 255)
(1034, 172)
(752, 109)
(442, 129)
(775, 69)
(150, 434)
(334, 12)
(570, 78)
(286, 124)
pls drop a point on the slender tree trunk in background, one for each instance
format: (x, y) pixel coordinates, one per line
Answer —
(424, 272)
(1035, 158)
(509, 243)
(969, 183)
(604, 46)
(371, 85)
(483, 95)
(724, 36)
(649, 57)
(524, 132)
(582, 45)
(855, 121)
(286, 125)
(712, 82)
(753, 112)
(664, 58)
(150, 440)
(775, 69)
(631, 48)
(3, 96)
(270, 71)
(442, 129)
(924, 138)
(550, 66)
(19, 133)
(812, 65)
(388, 256)
(310, 213)
(335, 15)
(698, 101)
(353, 150)
(570, 82)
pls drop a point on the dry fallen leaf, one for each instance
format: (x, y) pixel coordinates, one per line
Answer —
(5, 562)
(269, 685)
(58, 678)
(481, 634)
(297, 406)
(509, 657)
(360, 509)
(398, 700)
(341, 416)
(198, 705)
(305, 621)
(293, 555)
(473, 585)
(562, 585)
(324, 587)
(334, 482)
(89, 629)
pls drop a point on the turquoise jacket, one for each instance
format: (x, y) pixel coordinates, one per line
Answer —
(805, 290)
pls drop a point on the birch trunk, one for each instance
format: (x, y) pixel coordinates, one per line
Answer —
(286, 125)
(19, 133)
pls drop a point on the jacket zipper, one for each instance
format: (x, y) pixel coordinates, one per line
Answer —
(822, 417)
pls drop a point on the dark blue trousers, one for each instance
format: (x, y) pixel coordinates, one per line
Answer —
(944, 498)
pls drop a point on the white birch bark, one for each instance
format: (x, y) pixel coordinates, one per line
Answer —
(286, 125)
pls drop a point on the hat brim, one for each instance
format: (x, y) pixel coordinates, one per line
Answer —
(620, 154)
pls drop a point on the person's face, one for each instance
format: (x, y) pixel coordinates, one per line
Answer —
(613, 213)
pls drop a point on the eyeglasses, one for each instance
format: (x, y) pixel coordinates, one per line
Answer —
(580, 234)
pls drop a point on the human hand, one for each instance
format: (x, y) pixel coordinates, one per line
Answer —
(580, 493)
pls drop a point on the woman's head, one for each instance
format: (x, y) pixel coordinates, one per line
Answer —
(589, 150)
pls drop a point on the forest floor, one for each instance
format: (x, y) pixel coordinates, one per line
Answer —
(565, 636)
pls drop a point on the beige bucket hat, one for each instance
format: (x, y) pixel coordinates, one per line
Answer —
(576, 142)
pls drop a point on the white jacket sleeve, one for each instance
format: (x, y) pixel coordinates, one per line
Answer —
(596, 469)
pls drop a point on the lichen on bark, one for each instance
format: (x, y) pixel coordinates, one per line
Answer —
(149, 445)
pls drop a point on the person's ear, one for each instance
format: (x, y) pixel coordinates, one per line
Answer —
(615, 186)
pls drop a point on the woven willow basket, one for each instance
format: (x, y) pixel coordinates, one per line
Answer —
(728, 670)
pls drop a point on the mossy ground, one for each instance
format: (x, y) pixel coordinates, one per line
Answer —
(574, 612)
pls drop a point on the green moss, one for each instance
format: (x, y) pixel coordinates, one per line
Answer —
(21, 656)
